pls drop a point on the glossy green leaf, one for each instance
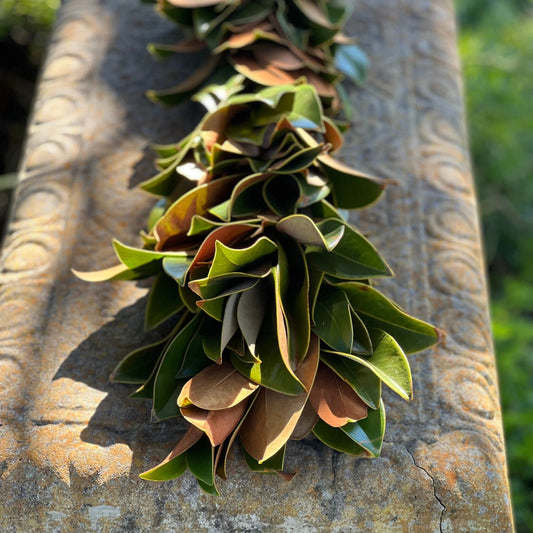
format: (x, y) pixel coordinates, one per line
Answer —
(200, 460)
(362, 379)
(332, 318)
(250, 314)
(228, 260)
(164, 301)
(362, 345)
(166, 384)
(304, 230)
(368, 432)
(337, 439)
(388, 362)
(270, 466)
(175, 463)
(350, 188)
(281, 194)
(351, 60)
(297, 161)
(172, 228)
(353, 257)
(379, 312)
(272, 372)
(292, 295)
(176, 268)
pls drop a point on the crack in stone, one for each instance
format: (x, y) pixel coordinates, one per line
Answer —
(434, 488)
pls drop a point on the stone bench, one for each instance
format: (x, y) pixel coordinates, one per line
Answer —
(72, 445)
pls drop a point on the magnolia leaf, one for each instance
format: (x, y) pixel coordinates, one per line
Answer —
(332, 318)
(229, 260)
(351, 60)
(361, 379)
(191, 4)
(306, 422)
(175, 463)
(250, 314)
(307, 110)
(337, 439)
(118, 272)
(353, 257)
(164, 301)
(217, 425)
(377, 311)
(216, 387)
(166, 384)
(298, 161)
(304, 230)
(211, 345)
(225, 233)
(281, 193)
(334, 400)
(369, 432)
(172, 228)
(388, 362)
(225, 284)
(135, 258)
(200, 460)
(292, 298)
(362, 344)
(230, 324)
(312, 11)
(263, 75)
(350, 188)
(274, 465)
(273, 417)
(176, 268)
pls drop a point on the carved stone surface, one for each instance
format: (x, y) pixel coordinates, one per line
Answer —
(71, 444)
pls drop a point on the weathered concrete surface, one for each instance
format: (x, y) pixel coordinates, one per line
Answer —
(71, 445)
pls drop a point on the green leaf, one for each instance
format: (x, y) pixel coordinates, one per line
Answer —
(304, 230)
(272, 371)
(270, 466)
(350, 188)
(292, 296)
(353, 257)
(337, 439)
(332, 318)
(200, 460)
(135, 258)
(307, 110)
(369, 431)
(388, 362)
(167, 386)
(362, 344)
(281, 194)
(175, 463)
(362, 379)
(172, 228)
(298, 161)
(250, 314)
(176, 268)
(351, 60)
(229, 260)
(379, 312)
(164, 301)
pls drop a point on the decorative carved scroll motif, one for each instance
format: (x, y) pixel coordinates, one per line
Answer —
(34, 252)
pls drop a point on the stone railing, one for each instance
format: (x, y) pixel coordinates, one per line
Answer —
(71, 444)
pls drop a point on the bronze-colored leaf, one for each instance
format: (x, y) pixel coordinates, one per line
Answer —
(306, 423)
(269, 76)
(216, 387)
(217, 425)
(274, 416)
(334, 400)
(276, 55)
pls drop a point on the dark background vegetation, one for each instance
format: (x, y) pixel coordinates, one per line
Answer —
(496, 44)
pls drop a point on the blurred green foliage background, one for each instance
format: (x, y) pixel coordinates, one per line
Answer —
(496, 45)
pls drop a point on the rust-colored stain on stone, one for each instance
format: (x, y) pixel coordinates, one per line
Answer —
(72, 444)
